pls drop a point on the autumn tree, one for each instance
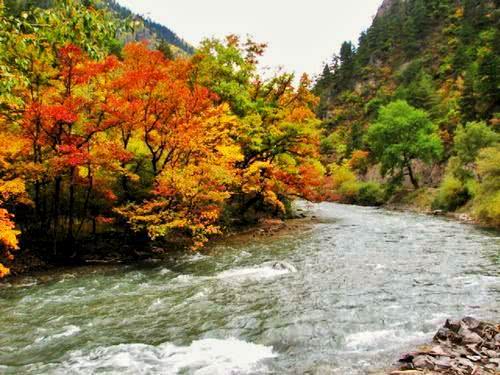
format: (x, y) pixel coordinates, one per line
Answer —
(186, 135)
(278, 130)
(12, 193)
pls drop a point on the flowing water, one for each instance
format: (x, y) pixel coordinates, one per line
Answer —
(358, 287)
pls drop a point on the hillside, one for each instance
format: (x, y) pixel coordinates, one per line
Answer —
(151, 27)
(441, 57)
(145, 30)
(449, 45)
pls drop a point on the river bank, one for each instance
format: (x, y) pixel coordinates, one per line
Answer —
(103, 250)
(421, 202)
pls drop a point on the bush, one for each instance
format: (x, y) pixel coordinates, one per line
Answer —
(452, 194)
(359, 161)
(487, 209)
(370, 194)
(486, 205)
(341, 174)
(349, 191)
(469, 140)
(362, 193)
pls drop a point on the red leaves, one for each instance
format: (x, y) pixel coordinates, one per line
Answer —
(73, 156)
(70, 53)
(110, 196)
(92, 69)
(76, 68)
(59, 113)
(359, 160)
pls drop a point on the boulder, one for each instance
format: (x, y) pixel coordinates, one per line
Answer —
(424, 362)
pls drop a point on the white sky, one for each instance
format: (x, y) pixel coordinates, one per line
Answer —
(301, 34)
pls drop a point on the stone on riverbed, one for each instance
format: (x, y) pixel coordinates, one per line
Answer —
(284, 266)
(465, 347)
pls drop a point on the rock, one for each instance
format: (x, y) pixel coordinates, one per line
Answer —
(471, 337)
(474, 358)
(471, 323)
(442, 334)
(473, 349)
(406, 372)
(452, 325)
(438, 351)
(445, 334)
(424, 362)
(466, 218)
(284, 266)
(491, 353)
(465, 362)
(442, 363)
(407, 358)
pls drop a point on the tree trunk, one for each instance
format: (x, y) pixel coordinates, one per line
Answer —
(413, 179)
(55, 213)
(71, 208)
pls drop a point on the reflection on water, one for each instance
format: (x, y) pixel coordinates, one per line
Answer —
(344, 296)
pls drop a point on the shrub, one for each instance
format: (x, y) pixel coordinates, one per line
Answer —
(487, 209)
(349, 191)
(487, 201)
(359, 161)
(370, 194)
(452, 194)
(469, 140)
(340, 174)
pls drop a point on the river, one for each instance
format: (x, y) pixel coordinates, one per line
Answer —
(362, 286)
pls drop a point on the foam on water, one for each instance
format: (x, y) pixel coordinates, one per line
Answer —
(67, 331)
(203, 357)
(369, 340)
(165, 271)
(263, 272)
(183, 278)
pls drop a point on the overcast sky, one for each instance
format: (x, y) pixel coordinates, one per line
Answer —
(301, 34)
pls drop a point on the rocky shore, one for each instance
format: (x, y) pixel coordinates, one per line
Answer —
(465, 347)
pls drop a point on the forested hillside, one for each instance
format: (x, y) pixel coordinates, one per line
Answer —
(418, 98)
(160, 31)
(143, 28)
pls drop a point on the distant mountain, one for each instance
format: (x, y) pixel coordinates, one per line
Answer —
(160, 31)
(440, 55)
(150, 30)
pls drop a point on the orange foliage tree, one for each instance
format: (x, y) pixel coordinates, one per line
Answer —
(185, 136)
(164, 147)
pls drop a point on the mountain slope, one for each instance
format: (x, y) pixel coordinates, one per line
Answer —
(438, 60)
(148, 29)
(161, 31)
(445, 51)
